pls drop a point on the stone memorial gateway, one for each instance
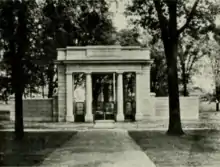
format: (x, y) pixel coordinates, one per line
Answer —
(116, 63)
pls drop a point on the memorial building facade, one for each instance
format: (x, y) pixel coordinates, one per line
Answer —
(116, 80)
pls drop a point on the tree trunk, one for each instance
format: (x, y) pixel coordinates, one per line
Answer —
(175, 127)
(184, 80)
(18, 71)
(19, 127)
(42, 87)
(217, 97)
(30, 92)
(18, 90)
(50, 81)
(171, 52)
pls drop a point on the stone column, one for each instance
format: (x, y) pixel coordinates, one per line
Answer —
(88, 116)
(69, 98)
(120, 101)
(138, 87)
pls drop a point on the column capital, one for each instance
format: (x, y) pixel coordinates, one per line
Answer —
(88, 72)
(119, 72)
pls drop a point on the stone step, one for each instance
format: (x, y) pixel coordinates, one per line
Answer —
(104, 121)
(104, 124)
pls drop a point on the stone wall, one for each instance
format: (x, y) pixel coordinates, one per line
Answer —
(45, 110)
(42, 110)
(5, 111)
(38, 109)
(189, 107)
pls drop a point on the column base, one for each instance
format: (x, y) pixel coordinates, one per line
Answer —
(88, 118)
(120, 117)
(138, 116)
(69, 118)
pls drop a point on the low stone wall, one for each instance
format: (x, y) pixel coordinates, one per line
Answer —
(5, 111)
(45, 110)
(189, 107)
(38, 109)
(41, 110)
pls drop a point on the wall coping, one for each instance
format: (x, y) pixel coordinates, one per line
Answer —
(104, 61)
(40, 99)
(181, 97)
(101, 47)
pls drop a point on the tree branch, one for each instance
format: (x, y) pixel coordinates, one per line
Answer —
(162, 19)
(191, 14)
(183, 55)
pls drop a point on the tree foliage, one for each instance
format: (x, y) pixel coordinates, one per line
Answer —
(72, 23)
(16, 27)
(214, 50)
(129, 37)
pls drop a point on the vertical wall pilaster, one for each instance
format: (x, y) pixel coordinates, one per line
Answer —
(138, 87)
(61, 69)
(146, 106)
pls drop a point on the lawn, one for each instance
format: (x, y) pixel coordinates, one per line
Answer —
(32, 150)
(199, 148)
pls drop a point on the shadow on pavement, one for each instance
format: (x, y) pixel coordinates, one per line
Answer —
(32, 150)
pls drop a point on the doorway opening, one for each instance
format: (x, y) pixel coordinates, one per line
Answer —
(104, 96)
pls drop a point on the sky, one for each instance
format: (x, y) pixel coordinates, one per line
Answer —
(119, 19)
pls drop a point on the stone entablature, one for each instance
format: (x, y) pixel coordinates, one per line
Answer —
(104, 54)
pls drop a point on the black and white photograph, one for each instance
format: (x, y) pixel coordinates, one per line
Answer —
(110, 83)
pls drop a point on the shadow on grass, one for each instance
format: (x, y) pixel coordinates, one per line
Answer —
(196, 148)
(32, 150)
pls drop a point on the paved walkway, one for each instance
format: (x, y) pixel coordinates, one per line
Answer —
(99, 148)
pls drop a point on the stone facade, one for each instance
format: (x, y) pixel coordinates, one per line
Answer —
(103, 59)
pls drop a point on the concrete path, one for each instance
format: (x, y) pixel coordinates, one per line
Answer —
(99, 148)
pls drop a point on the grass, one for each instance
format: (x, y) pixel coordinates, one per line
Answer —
(195, 149)
(32, 150)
